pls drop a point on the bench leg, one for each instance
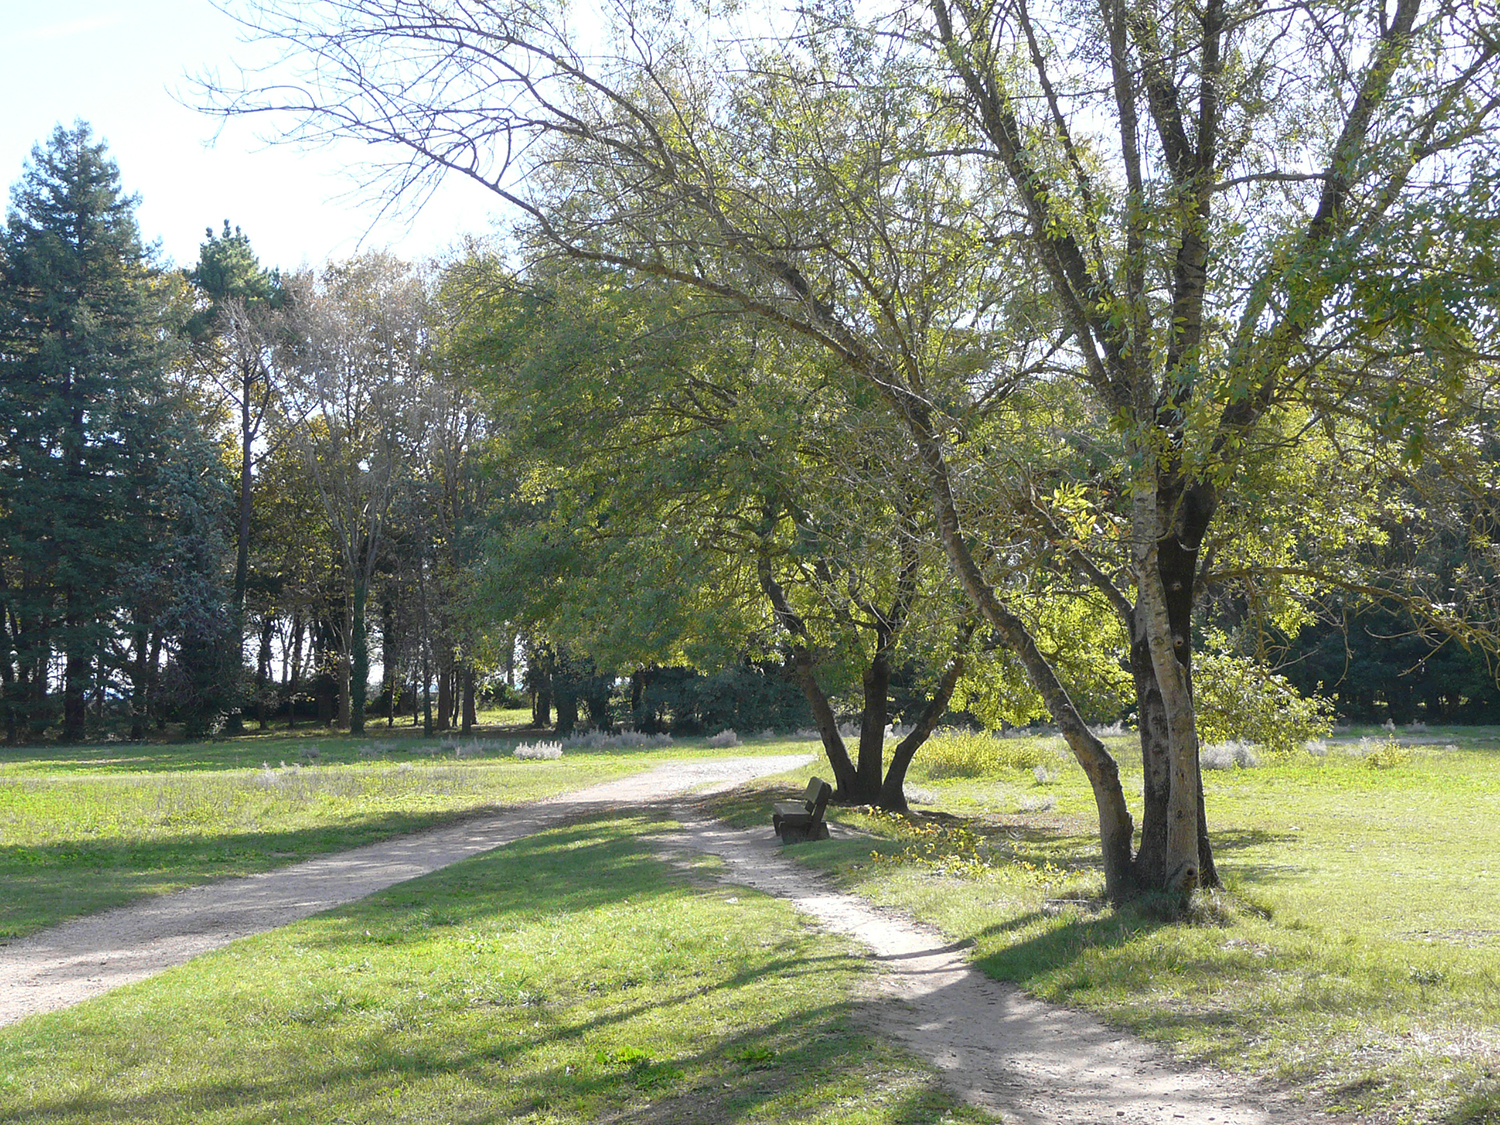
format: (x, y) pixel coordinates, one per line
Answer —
(801, 834)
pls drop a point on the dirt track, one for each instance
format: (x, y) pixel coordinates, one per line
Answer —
(1023, 1060)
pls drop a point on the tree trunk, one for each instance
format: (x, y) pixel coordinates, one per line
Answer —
(359, 685)
(1115, 825)
(872, 724)
(1169, 648)
(893, 788)
(426, 694)
(294, 680)
(1177, 564)
(263, 670)
(345, 655)
(242, 539)
(9, 674)
(445, 689)
(76, 668)
(139, 683)
(845, 777)
(153, 680)
(389, 682)
(470, 710)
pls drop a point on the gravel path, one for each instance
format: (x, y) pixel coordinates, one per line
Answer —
(1025, 1061)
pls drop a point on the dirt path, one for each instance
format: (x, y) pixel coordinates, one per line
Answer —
(1027, 1062)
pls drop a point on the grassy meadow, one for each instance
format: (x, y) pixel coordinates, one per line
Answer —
(1354, 954)
(83, 829)
(508, 987)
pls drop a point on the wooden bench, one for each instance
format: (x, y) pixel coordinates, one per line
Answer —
(795, 821)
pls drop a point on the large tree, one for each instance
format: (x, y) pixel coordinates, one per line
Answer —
(712, 494)
(236, 330)
(84, 343)
(1222, 234)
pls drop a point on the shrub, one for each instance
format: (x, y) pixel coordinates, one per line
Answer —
(1382, 754)
(724, 738)
(958, 753)
(1227, 755)
(539, 750)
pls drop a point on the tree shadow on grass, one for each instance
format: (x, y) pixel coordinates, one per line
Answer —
(754, 1033)
(52, 883)
(804, 1066)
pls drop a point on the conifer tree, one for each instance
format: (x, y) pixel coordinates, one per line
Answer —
(81, 381)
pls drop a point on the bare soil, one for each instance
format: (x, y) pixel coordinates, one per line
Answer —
(1027, 1062)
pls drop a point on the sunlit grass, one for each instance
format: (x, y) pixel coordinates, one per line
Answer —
(1356, 953)
(87, 828)
(568, 977)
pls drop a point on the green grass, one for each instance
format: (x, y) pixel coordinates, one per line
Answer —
(568, 977)
(83, 829)
(1356, 953)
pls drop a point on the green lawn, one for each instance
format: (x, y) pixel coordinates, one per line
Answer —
(568, 977)
(86, 828)
(1356, 953)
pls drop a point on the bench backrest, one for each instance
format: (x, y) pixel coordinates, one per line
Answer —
(817, 796)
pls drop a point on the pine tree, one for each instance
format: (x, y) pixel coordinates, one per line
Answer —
(82, 355)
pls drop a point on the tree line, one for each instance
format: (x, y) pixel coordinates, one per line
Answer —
(216, 484)
(1176, 319)
(987, 358)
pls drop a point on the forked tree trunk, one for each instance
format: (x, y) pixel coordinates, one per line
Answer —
(873, 722)
(893, 788)
(1177, 563)
(1181, 871)
(845, 776)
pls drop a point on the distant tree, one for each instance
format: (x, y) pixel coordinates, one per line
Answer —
(357, 417)
(84, 343)
(235, 332)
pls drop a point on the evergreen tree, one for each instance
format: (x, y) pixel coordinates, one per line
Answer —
(82, 357)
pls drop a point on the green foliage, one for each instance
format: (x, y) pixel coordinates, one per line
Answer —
(86, 335)
(1238, 698)
(747, 696)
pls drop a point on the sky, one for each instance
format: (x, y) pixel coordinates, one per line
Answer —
(126, 68)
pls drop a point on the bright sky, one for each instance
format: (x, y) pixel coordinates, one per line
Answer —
(116, 65)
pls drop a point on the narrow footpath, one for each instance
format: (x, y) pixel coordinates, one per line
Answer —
(1027, 1062)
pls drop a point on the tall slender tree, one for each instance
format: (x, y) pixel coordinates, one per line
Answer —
(235, 332)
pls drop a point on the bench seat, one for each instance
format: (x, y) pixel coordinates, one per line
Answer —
(801, 820)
